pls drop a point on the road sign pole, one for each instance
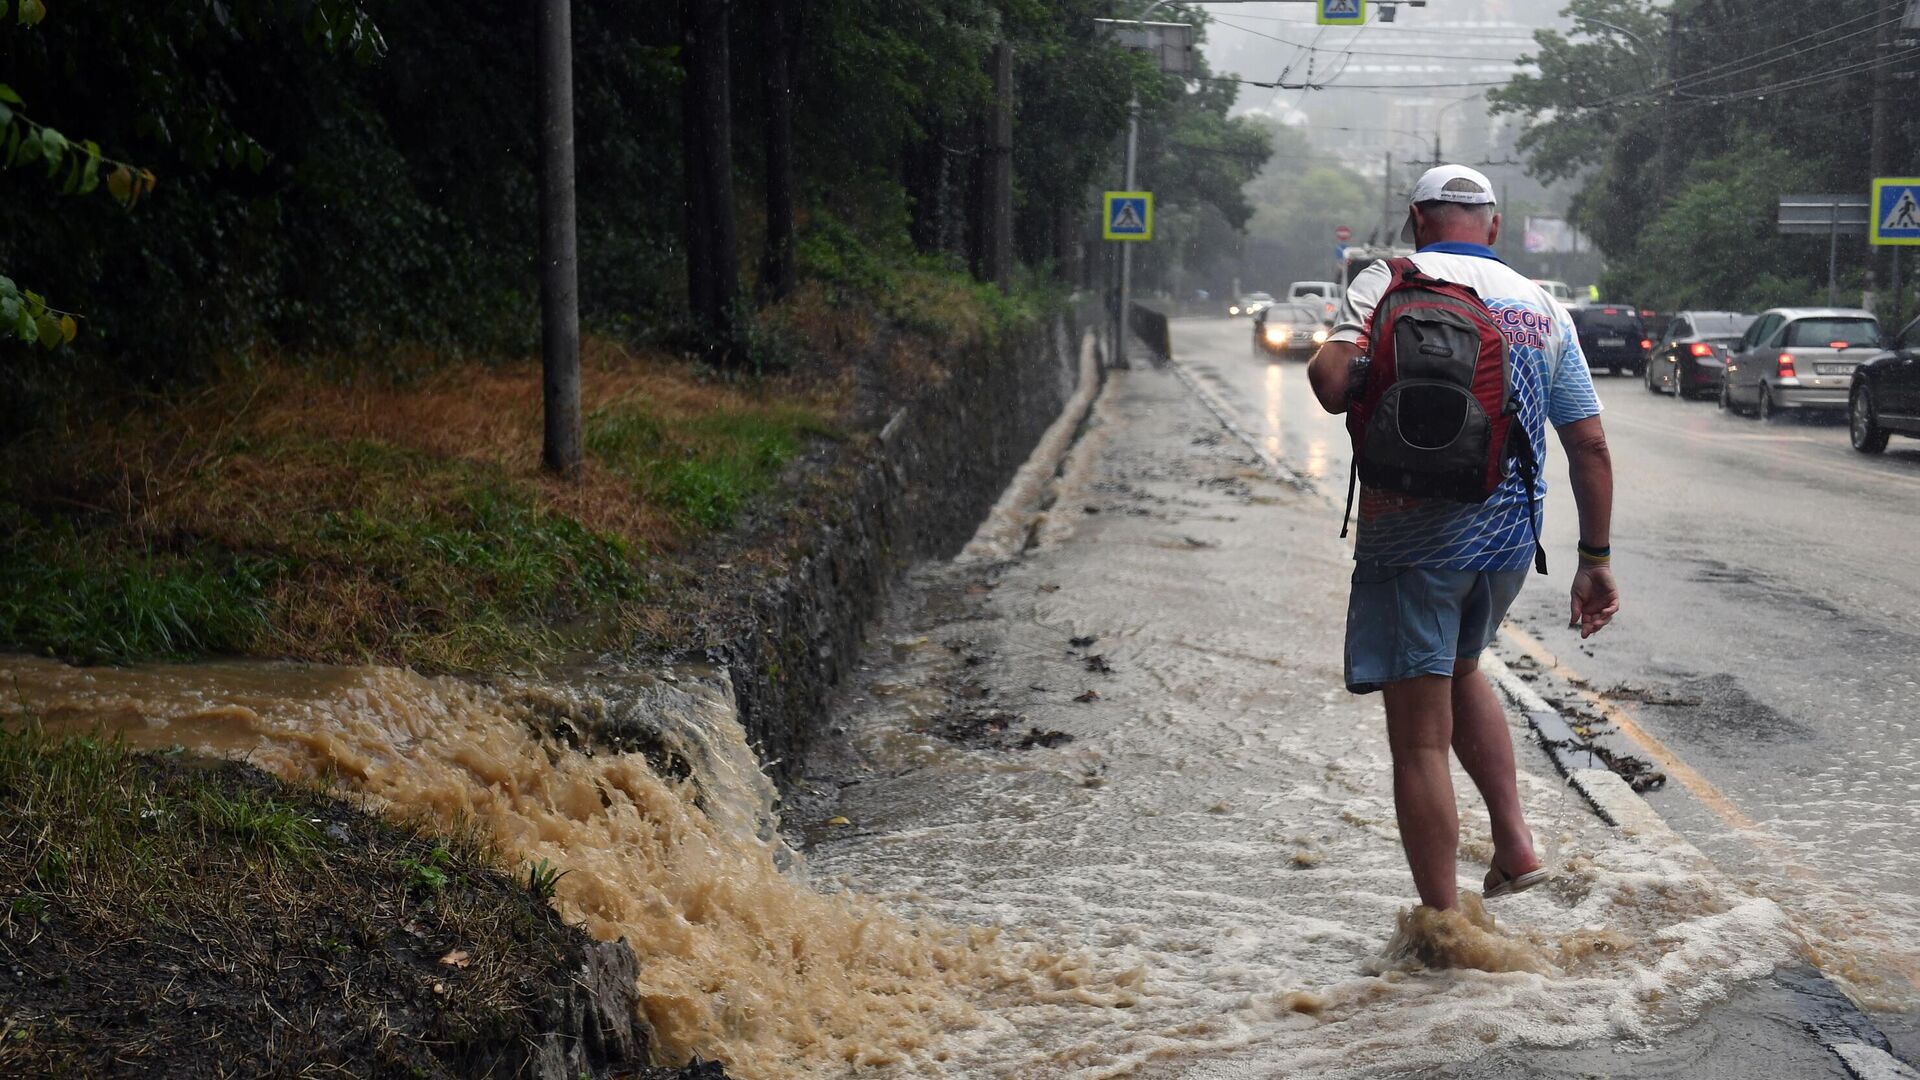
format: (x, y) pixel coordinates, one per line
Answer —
(1899, 299)
(1126, 250)
(1833, 257)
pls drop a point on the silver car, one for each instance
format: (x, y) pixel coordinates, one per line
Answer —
(1798, 358)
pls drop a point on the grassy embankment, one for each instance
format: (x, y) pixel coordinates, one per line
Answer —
(163, 916)
(337, 512)
(282, 513)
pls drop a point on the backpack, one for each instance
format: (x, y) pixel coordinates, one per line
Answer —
(1433, 415)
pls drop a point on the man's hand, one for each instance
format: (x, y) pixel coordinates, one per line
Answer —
(1595, 599)
(1328, 374)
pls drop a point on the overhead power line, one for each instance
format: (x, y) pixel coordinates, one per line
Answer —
(1680, 85)
(1349, 49)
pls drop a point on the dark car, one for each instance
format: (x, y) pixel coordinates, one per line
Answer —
(1885, 397)
(1612, 336)
(1289, 329)
(1691, 357)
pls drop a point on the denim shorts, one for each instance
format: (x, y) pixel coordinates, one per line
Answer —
(1404, 621)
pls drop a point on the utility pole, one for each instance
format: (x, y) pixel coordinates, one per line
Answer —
(996, 234)
(1877, 150)
(1665, 162)
(559, 267)
(713, 271)
(1122, 317)
(1386, 199)
(776, 269)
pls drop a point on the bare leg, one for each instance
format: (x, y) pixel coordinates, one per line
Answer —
(1485, 747)
(1419, 729)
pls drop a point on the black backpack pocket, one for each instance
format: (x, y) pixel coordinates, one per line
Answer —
(1435, 343)
(1429, 437)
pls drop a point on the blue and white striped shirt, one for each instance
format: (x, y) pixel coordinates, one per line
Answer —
(1550, 383)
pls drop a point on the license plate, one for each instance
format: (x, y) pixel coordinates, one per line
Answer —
(1833, 369)
(1610, 342)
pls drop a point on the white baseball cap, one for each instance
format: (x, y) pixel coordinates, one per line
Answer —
(1447, 183)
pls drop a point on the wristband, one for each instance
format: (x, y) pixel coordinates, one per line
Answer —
(1595, 556)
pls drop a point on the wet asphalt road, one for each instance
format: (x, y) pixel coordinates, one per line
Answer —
(1771, 587)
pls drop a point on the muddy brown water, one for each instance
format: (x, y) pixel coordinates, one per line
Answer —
(740, 959)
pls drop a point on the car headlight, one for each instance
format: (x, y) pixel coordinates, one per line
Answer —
(1233, 309)
(1278, 335)
(1319, 337)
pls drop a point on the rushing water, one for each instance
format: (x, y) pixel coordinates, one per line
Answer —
(1206, 882)
(740, 960)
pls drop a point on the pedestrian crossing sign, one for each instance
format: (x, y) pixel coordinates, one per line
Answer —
(1896, 210)
(1340, 12)
(1128, 215)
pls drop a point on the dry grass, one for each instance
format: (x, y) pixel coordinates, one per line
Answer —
(283, 513)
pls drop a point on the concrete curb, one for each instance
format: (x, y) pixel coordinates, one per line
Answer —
(1826, 1012)
(1003, 534)
(1276, 468)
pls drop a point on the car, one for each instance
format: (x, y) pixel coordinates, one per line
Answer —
(1691, 358)
(1798, 358)
(1250, 304)
(1559, 290)
(1612, 336)
(1884, 396)
(1324, 295)
(1290, 329)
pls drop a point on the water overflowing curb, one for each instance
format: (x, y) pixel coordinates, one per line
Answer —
(917, 491)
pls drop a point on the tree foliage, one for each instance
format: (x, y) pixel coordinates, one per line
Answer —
(1685, 123)
(350, 176)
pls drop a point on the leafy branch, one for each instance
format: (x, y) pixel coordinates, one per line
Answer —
(26, 141)
(25, 314)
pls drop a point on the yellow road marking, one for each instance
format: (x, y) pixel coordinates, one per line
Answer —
(1702, 789)
(1657, 752)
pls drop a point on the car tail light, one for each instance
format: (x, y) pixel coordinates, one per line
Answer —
(1645, 345)
(1610, 311)
(1701, 348)
(1786, 365)
(1838, 344)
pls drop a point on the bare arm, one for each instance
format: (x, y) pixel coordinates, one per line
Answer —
(1590, 467)
(1328, 374)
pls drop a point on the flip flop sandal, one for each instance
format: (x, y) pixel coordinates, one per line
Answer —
(1507, 886)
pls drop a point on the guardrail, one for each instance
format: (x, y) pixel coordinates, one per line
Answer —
(1149, 325)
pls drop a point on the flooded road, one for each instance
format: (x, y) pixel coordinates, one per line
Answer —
(1105, 810)
(1133, 743)
(1769, 577)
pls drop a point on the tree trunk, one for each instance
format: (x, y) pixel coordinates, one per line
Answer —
(776, 271)
(713, 275)
(559, 273)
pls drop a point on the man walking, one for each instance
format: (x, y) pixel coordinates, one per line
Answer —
(1433, 578)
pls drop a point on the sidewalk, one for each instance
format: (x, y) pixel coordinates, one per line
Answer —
(1132, 743)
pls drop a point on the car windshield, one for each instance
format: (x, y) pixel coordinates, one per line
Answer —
(1813, 333)
(1294, 313)
(1310, 290)
(1722, 325)
(1259, 298)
